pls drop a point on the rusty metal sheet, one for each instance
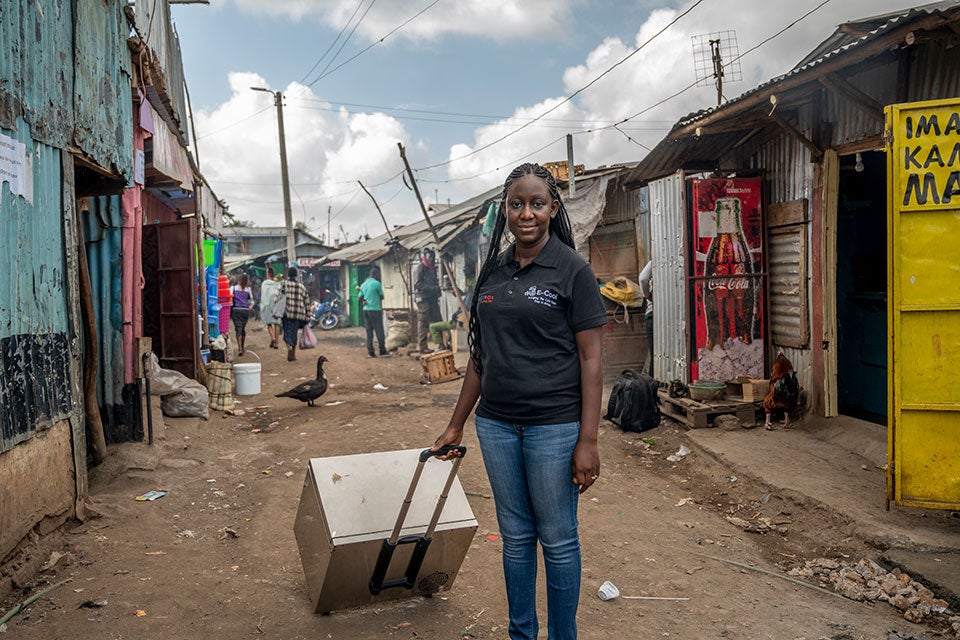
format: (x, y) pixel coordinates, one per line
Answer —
(36, 69)
(101, 94)
(35, 382)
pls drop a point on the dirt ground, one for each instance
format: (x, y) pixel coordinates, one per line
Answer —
(170, 569)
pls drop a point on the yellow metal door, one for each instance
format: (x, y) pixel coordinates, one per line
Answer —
(923, 144)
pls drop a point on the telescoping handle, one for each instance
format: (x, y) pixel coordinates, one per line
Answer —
(377, 580)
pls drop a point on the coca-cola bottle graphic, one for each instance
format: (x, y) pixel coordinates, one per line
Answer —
(729, 297)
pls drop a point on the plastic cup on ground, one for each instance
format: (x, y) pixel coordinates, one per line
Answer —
(608, 591)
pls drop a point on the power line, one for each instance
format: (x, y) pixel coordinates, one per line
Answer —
(476, 123)
(457, 114)
(233, 124)
(750, 50)
(345, 40)
(320, 59)
(372, 45)
(574, 94)
(494, 170)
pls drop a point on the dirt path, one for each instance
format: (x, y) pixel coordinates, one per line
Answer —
(173, 569)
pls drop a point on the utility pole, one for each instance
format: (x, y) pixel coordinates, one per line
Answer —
(436, 236)
(571, 181)
(284, 176)
(329, 237)
(393, 241)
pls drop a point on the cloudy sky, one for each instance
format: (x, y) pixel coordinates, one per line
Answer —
(459, 83)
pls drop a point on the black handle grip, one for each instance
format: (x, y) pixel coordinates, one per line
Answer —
(426, 454)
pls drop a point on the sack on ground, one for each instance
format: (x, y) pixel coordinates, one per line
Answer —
(181, 397)
(280, 306)
(398, 334)
(308, 339)
(634, 405)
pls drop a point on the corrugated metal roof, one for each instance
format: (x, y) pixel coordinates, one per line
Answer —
(681, 150)
(845, 43)
(448, 224)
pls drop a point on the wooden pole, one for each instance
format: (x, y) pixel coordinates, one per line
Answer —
(393, 242)
(436, 238)
(91, 408)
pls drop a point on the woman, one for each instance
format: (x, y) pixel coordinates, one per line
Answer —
(372, 293)
(534, 336)
(295, 313)
(242, 296)
(268, 298)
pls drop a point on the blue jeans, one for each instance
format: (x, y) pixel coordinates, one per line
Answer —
(530, 471)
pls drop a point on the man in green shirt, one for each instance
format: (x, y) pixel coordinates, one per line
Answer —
(371, 300)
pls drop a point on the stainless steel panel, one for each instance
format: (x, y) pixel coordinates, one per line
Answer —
(349, 506)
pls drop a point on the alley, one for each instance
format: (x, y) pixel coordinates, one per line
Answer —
(216, 557)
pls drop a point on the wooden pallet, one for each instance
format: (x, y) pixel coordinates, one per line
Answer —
(698, 415)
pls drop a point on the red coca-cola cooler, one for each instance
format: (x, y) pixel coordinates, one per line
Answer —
(727, 280)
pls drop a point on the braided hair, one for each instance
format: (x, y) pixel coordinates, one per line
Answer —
(559, 226)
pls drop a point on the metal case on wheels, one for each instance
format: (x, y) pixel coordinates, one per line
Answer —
(364, 528)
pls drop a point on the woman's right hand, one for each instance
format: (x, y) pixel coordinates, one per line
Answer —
(453, 434)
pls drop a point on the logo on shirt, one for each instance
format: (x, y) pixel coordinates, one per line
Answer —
(542, 296)
(485, 299)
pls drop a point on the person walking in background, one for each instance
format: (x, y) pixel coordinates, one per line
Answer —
(646, 288)
(371, 292)
(535, 342)
(426, 293)
(296, 312)
(268, 298)
(242, 296)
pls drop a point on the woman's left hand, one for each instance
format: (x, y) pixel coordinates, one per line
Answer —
(586, 464)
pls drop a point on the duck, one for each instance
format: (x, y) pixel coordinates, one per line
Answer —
(311, 389)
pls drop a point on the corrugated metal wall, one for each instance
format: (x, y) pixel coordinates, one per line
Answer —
(102, 94)
(35, 383)
(103, 235)
(933, 74)
(851, 124)
(37, 78)
(153, 22)
(669, 278)
(788, 174)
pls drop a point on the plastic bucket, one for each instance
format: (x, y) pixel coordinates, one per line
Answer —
(247, 375)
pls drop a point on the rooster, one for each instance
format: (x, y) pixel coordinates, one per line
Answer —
(784, 393)
(311, 389)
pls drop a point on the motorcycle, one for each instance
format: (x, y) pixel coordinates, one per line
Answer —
(327, 314)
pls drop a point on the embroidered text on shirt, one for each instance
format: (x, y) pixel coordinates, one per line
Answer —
(542, 296)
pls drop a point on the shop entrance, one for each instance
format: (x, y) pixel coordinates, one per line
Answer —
(862, 286)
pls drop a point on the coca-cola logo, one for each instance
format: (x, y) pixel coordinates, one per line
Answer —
(730, 284)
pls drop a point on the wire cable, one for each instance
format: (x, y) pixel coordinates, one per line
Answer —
(372, 45)
(332, 44)
(574, 94)
(233, 124)
(462, 115)
(345, 41)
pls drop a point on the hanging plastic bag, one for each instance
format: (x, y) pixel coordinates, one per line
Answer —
(308, 340)
(280, 306)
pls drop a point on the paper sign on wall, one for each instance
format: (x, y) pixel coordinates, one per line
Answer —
(16, 168)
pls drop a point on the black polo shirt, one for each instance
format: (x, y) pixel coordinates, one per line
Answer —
(528, 318)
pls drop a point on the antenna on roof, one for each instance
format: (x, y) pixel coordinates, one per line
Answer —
(710, 50)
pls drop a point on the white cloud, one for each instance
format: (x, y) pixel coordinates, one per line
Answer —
(330, 149)
(660, 69)
(327, 152)
(495, 19)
